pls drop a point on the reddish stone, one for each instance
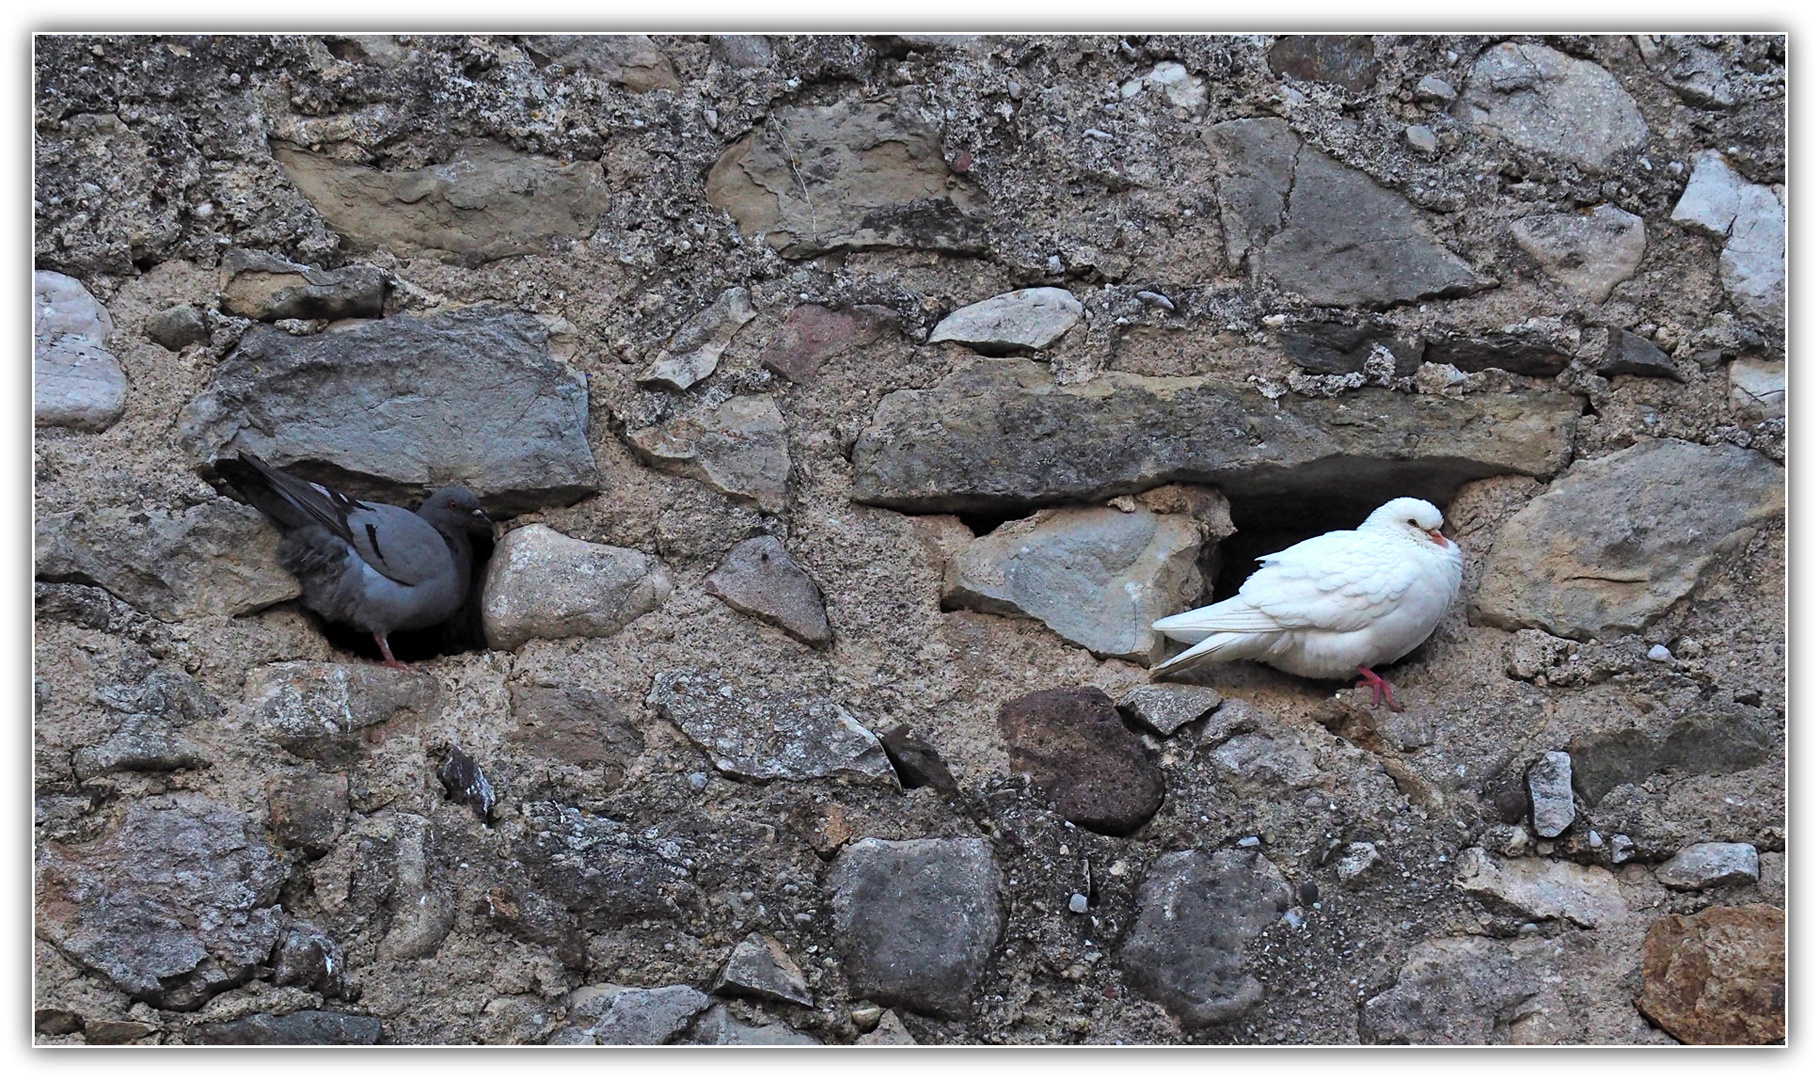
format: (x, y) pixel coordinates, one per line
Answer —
(1074, 748)
(1718, 976)
(812, 334)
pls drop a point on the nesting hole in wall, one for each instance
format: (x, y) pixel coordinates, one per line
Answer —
(1270, 523)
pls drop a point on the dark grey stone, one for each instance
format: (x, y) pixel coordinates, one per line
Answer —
(1328, 348)
(310, 958)
(1461, 990)
(1628, 354)
(1520, 350)
(177, 327)
(917, 920)
(759, 967)
(599, 869)
(532, 917)
(1003, 436)
(629, 1016)
(1710, 739)
(392, 408)
(759, 578)
(720, 1028)
(1197, 911)
(306, 1027)
(175, 905)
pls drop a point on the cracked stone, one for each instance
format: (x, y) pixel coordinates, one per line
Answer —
(769, 733)
(694, 351)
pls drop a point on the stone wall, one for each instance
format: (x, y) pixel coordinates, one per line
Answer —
(850, 407)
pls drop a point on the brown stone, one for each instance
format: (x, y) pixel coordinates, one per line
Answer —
(115, 1032)
(760, 579)
(576, 727)
(1718, 976)
(308, 812)
(811, 335)
(1073, 746)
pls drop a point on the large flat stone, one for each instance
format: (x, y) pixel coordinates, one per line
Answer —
(1002, 435)
(1322, 229)
(176, 904)
(1719, 976)
(850, 175)
(306, 1027)
(1461, 990)
(917, 920)
(76, 382)
(542, 584)
(317, 710)
(393, 408)
(1616, 540)
(739, 448)
(1543, 888)
(768, 733)
(1548, 102)
(1704, 866)
(1197, 912)
(1095, 575)
(215, 558)
(486, 202)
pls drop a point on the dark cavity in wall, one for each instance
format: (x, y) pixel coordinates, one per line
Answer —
(1268, 523)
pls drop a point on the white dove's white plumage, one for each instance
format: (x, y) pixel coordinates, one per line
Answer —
(1333, 603)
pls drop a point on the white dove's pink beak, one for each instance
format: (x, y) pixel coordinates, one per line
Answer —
(1435, 535)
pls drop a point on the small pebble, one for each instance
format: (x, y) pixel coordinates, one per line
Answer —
(1622, 848)
(1421, 139)
(1660, 654)
(1293, 917)
(1593, 838)
(1249, 841)
(1077, 904)
(1156, 300)
(698, 781)
(1528, 928)
(1309, 892)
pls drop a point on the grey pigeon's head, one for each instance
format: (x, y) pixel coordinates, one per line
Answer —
(456, 509)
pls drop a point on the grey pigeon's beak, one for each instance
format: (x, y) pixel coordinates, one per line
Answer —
(479, 522)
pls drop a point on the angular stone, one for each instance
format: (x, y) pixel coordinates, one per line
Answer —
(76, 382)
(1551, 793)
(1073, 747)
(1719, 976)
(768, 733)
(177, 327)
(1358, 859)
(1759, 387)
(760, 579)
(1751, 219)
(316, 710)
(1589, 251)
(1543, 888)
(1705, 866)
(850, 175)
(390, 408)
(216, 558)
(916, 762)
(738, 448)
(56, 1022)
(486, 202)
(917, 920)
(115, 1032)
(309, 958)
(630, 1016)
(308, 812)
(176, 904)
(598, 868)
(1714, 739)
(1539, 347)
(1166, 709)
(1542, 100)
(1329, 348)
(532, 917)
(542, 584)
(694, 351)
(1263, 763)
(1616, 540)
(1097, 576)
(889, 1032)
(138, 751)
(812, 335)
(1181, 89)
(1347, 60)
(576, 727)
(719, 1028)
(263, 286)
(760, 968)
(1197, 912)
(1322, 229)
(629, 60)
(1012, 322)
(1628, 354)
(306, 1027)
(744, 52)
(1003, 435)
(1462, 990)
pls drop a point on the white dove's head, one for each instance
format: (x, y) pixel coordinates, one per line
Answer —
(1416, 518)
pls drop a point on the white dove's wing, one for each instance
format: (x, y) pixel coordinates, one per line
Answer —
(1340, 581)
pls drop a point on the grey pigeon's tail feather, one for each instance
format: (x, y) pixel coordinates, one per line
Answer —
(252, 483)
(289, 501)
(323, 564)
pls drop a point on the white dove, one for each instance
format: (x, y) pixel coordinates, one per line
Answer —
(1333, 604)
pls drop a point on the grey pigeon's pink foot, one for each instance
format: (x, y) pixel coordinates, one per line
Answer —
(385, 648)
(1381, 690)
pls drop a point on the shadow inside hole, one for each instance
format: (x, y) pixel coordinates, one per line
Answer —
(982, 522)
(1268, 524)
(461, 633)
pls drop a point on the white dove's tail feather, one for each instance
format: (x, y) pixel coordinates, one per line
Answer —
(1233, 615)
(1217, 648)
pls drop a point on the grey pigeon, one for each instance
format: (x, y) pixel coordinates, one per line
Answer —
(371, 565)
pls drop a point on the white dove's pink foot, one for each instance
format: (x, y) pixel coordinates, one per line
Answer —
(1381, 691)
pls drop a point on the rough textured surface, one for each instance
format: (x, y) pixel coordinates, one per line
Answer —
(918, 919)
(759, 578)
(1618, 539)
(768, 734)
(1551, 793)
(1164, 710)
(1002, 435)
(542, 584)
(1197, 911)
(629, 1016)
(1718, 976)
(1590, 251)
(694, 351)
(1703, 866)
(397, 407)
(1015, 322)
(1751, 219)
(1543, 100)
(306, 1027)
(1075, 751)
(76, 382)
(1098, 577)
(759, 967)
(898, 179)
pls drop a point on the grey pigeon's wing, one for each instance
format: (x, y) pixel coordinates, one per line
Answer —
(398, 543)
(292, 502)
